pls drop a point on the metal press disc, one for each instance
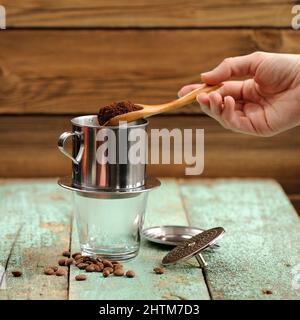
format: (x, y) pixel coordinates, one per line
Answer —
(193, 246)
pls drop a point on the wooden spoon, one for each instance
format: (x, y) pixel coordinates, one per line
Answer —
(150, 110)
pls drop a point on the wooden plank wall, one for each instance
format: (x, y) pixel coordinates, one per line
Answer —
(64, 58)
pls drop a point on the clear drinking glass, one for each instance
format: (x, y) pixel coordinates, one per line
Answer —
(110, 227)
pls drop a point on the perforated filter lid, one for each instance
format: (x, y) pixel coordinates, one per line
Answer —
(193, 246)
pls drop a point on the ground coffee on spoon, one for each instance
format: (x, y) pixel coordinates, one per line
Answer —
(115, 109)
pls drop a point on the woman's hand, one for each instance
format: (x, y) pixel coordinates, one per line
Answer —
(264, 105)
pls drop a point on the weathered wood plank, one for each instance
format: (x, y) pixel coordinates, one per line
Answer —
(34, 230)
(186, 282)
(31, 150)
(77, 71)
(262, 242)
(147, 13)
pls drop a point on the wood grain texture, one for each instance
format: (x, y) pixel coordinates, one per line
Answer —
(34, 230)
(147, 13)
(77, 71)
(180, 283)
(261, 245)
(28, 149)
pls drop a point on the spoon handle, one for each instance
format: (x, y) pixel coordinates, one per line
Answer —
(188, 98)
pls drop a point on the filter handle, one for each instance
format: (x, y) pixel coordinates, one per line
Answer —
(61, 145)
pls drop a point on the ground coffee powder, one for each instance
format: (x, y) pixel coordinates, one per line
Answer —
(115, 109)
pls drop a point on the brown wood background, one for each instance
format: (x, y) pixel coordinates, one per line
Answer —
(64, 58)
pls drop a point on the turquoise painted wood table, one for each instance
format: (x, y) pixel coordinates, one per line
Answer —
(258, 258)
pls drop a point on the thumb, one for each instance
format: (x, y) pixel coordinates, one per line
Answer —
(234, 67)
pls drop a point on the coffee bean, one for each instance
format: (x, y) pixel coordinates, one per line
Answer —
(82, 266)
(62, 262)
(267, 291)
(60, 272)
(93, 260)
(119, 272)
(55, 268)
(97, 268)
(80, 277)
(77, 262)
(99, 259)
(49, 271)
(130, 274)
(107, 263)
(69, 261)
(90, 268)
(109, 269)
(76, 254)
(86, 258)
(78, 257)
(158, 270)
(17, 273)
(66, 253)
(114, 262)
(106, 273)
(100, 265)
(118, 266)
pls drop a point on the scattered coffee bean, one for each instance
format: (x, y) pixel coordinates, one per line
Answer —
(55, 268)
(90, 268)
(78, 261)
(62, 262)
(80, 277)
(76, 254)
(100, 265)
(109, 269)
(49, 271)
(92, 264)
(69, 261)
(158, 270)
(86, 259)
(17, 273)
(106, 273)
(119, 272)
(60, 272)
(107, 263)
(97, 268)
(78, 257)
(66, 253)
(130, 274)
(82, 266)
(267, 291)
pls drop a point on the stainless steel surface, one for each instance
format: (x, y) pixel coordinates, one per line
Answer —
(150, 184)
(89, 173)
(171, 235)
(193, 246)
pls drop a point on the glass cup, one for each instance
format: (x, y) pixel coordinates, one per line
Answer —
(110, 227)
